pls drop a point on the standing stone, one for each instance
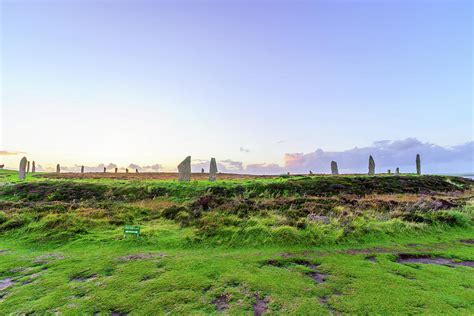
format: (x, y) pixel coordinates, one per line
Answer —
(184, 169)
(418, 164)
(22, 169)
(58, 168)
(213, 170)
(28, 166)
(202, 170)
(126, 170)
(311, 172)
(82, 169)
(136, 170)
(397, 171)
(116, 170)
(33, 167)
(105, 170)
(389, 171)
(334, 169)
(371, 165)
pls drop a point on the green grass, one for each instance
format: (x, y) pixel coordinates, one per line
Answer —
(61, 244)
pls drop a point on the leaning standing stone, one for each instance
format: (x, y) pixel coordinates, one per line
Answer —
(418, 164)
(22, 169)
(58, 168)
(184, 169)
(371, 165)
(33, 167)
(334, 169)
(213, 170)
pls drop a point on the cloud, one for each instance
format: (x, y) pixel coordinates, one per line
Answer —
(244, 150)
(264, 168)
(388, 155)
(154, 167)
(10, 153)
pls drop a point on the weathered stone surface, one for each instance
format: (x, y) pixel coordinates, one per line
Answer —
(418, 164)
(82, 169)
(1, 166)
(136, 170)
(184, 169)
(28, 166)
(371, 165)
(33, 167)
(116, 170)
(397, 171)
(126, 170)
(334, 169)
(58, 168)
(389, 171)
(202, 170)
(311, 172)
(213, 170)
(105, 170)
(22, 169)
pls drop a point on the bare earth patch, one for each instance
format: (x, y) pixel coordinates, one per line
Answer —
(260, 305)
(467, 241)
(426, 259)
(6, 283)
(222, 302)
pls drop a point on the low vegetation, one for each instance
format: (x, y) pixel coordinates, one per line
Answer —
(307, 245)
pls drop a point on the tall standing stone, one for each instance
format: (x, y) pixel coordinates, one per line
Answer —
(58, 168)
(334, 169)
(371, 165)
(311, 172)
(116, 170)
(389, 171)
(28, 166)
(397, 171)
(418, 164)
(22, 169)
(136, 170)
(202, 170)
(126, 170)
(184, 169)
(33, 167)
(82, 169)
(105, 169)
(213, 170)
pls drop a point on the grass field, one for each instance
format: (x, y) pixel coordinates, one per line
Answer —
(277, 245)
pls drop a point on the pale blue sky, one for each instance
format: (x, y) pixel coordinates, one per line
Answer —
(153, 81)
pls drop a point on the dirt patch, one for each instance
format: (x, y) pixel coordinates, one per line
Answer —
(141, 256)
(222, 302)
(84, 278)
(4, 251)
(47, 258)
(314, 274)
(426, 259)
(260, 305)
(467, 241)
(371, 258)
(6, 283)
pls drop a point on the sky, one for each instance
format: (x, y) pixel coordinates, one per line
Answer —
(263, 86)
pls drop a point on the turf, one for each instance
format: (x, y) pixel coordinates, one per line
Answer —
(281, 246)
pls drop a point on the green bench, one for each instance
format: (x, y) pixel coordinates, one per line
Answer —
(131, 230)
